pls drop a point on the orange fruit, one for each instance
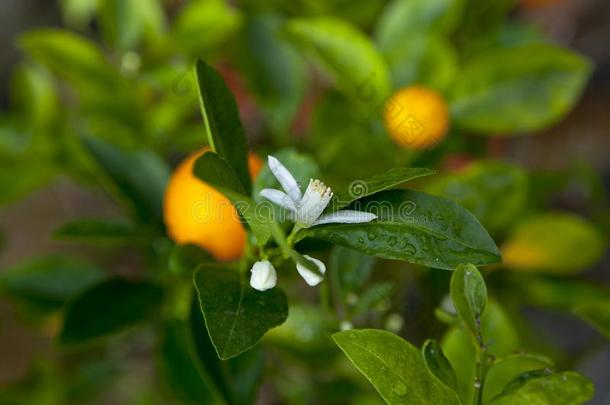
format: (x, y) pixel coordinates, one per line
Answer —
(194, 212)
(416, 117)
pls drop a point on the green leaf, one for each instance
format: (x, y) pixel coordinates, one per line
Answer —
(372, 296)
(236, 315)
(125, 22)
(438, 365)
(215, 171)
(109, 307)
(519, 89)
(347, 55)
(567, 388)
(98, 230)
(427, 60)
(221, 118)
(501, 339)
(237, 378)
(495, 192)
(182, 370)
(597, 313)
(469, 296)
(71, 57)
(275, 70)
(547, 242)
(205, 24)
(184, 259)
(77, 13)
(403, 18)
(141, 176)
(394, 367)
(415, 227)
(363, 188)
(46, 283)
(352, 267)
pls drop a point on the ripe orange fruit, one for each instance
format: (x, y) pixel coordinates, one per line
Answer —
(194, 212)
(416, 117)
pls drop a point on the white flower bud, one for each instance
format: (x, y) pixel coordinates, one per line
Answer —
(263, 276)
(311, 278)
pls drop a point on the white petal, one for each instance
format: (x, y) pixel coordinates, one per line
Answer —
(316, 198)
(346, 217)
(287, 180)
(263, 276)
(279, 198)
(311, 278)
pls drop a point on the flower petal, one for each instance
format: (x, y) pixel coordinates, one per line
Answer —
(346, 217)
(279, 198)
(263, 276)
(312, 279)
(286, 179)
(316, 198)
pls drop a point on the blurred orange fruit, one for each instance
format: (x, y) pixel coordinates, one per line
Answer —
(416, 117)
(194, 212)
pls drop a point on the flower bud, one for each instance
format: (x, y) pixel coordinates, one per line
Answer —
(263, 276)
(311, 278)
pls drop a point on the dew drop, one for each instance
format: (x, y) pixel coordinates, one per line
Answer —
(399, 389)
(371, 236)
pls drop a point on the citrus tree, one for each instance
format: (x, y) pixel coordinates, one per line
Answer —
(306, 209)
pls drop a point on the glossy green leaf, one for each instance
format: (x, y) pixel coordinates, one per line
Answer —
(182, 371)
(555, 242)
(347, 55)
(215, 171)
(70, 56)
(414, 227)
(98, 230)
(205, 24)
(495, 192)
(363, 188)
(46, 283)
(141, 176)
(519, 89)
(438, 365)
(403, 18)
(109, 307)
(221, 118)
(597, 313)
(566, 388)
(469, 295)
(236, 315)
(394, 367)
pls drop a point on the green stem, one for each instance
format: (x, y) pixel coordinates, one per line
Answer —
(481, 360)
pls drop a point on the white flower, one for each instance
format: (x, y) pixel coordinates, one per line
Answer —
(263, 276)
(312, 279)
(306, 210)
